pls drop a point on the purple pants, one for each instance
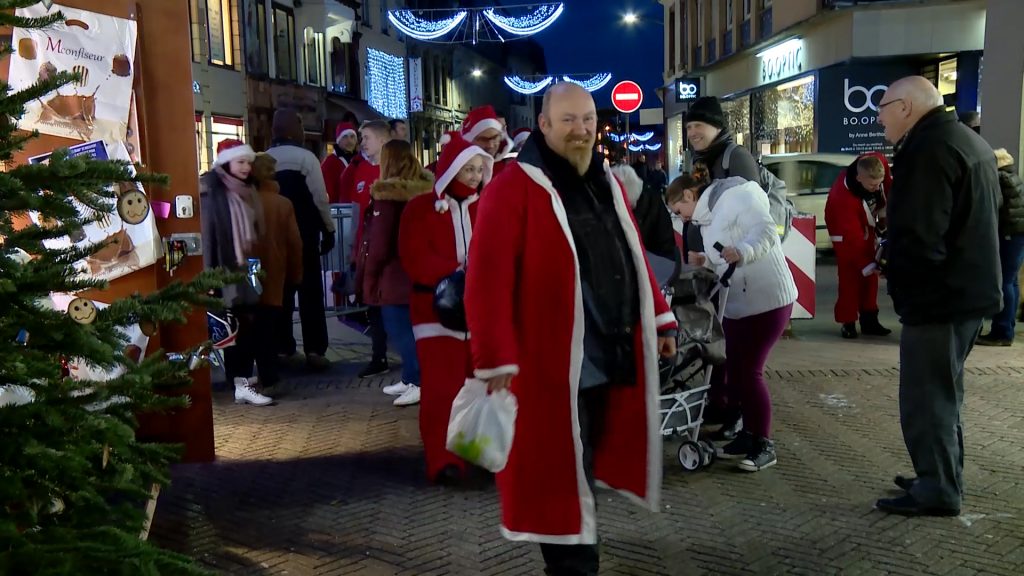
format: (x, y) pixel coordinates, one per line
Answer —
(748, 342)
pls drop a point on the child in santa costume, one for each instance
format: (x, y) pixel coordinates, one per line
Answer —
(855, 204)
(434, 240)
(334, 165)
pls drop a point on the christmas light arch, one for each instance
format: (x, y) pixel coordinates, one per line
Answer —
(527, 87)
(533, 84)
(492, 24)
(592, 84)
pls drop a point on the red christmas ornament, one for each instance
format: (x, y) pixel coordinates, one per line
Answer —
(65, 369)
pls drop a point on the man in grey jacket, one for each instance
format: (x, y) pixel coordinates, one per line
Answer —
(944, 278)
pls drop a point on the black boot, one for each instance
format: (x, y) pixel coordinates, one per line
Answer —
(849, 330)
(869, 325)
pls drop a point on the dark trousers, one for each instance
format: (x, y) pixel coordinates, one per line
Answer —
(581, 559)
(748, 343)
(1011, 255)
(932, 360)
(378, 334)
(252, 345)
(311, 310)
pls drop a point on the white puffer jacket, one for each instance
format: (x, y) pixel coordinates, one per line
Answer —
(740, 218)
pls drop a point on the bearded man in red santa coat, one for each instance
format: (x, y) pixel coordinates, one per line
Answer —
(853, 211)
(565, 312)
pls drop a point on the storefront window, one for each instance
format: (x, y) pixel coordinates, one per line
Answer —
(202, 152)
(783, 117)
(737, 118)
(947, 77)
(676, 146)
(226, 128)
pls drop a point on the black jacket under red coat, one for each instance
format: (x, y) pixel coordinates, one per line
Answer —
(943, 222)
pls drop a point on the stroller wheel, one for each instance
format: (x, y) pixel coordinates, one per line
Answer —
(690, 456)
(710, 454)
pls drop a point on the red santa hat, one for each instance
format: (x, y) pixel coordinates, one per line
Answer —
(343, 129)
(478, 120)
(453, 157)
(520, 136)
(231, 149)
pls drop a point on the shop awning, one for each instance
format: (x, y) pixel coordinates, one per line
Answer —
(360, 108)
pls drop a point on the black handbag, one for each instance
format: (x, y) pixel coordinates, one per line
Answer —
(448, 301)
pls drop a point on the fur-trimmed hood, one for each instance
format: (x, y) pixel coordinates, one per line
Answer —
(1003, 158)
(630, 181)
(402, 190)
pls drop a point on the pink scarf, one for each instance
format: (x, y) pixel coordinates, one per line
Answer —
(246, 213)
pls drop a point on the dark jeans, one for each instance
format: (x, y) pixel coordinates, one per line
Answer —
(378, 333)
(932, 358)
(1011, 255)
(581, 559)
(398, 326)
(252, 345)
(311, 310)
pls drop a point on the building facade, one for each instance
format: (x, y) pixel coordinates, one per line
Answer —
(799, 76)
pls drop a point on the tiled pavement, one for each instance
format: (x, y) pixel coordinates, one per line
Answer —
(329, 481)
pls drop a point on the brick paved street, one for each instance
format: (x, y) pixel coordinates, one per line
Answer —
(329, 481)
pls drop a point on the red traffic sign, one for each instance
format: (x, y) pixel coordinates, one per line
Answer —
(627, 97)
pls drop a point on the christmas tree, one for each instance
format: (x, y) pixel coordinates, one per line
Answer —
(73, 478)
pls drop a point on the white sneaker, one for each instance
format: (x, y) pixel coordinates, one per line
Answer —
(396, 389)
(246, 394)
(410, 398)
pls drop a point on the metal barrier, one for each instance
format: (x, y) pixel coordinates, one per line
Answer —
(338, 266)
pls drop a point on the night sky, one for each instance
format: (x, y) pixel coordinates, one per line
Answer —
(590, 37)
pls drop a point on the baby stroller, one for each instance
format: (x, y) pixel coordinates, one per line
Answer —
(686, 379)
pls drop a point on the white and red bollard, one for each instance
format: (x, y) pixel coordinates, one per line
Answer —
(801, 256)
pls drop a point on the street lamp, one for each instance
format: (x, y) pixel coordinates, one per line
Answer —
(630, 18)
(477, 73)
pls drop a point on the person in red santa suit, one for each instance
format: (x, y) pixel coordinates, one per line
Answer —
(334, 165)
(855, 204)
(518, 139)
(483, 128)
(434, 240)
(356, 182)
(565, 312)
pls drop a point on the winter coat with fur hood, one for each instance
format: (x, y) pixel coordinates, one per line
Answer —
(1011, 214)
(383, 280)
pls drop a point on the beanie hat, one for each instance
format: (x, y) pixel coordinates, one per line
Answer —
(707, 110)
(454, 156)
(520, 136)
(478, 120)
(343, 129)
(231, 149)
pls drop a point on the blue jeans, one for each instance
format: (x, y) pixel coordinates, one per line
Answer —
(1011, 255)
(398, 326)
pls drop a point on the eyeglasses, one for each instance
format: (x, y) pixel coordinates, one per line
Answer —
(884, 104)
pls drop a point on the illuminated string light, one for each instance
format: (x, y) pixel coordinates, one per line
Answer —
(420, 29)
(524, 86)
(592, 84)
(641, 137)
(653, 147)
(636, 147)
(532, 23)
(616, 137)
(386, 90)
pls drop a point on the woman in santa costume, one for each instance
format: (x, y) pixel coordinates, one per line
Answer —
(434, 240)
(556, 246)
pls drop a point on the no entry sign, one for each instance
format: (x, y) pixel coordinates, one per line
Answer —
(627, 97)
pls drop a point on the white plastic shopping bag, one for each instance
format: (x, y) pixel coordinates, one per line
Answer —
(482, 425)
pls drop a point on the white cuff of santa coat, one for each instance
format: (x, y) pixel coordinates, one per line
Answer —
(490, 373)
(665, 320)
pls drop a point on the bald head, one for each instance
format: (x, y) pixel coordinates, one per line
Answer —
(905, 102)
(568, 120)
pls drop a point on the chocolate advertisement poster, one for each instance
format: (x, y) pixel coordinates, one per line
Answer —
(130, 228)
(101, 49)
